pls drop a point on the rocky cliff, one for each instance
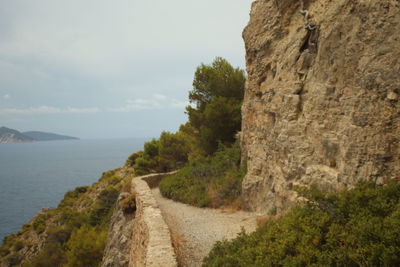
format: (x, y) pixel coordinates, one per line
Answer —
(116, 252)
(322, 99)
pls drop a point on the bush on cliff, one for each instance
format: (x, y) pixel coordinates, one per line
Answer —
(167, 153)
(214, 182)
(130, 162)
(173, 151)
(128, 205)
(359, 227)
(39, 223)
(52, 254)
(85, 247)
(101, 211)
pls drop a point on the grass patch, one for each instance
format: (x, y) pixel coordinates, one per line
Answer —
(359, 227)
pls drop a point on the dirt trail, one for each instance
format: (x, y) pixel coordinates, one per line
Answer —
(194, 230)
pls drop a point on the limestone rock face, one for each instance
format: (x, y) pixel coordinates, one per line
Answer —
(119, 240)
(322, 103)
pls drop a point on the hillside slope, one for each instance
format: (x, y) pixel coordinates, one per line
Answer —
(74, 233)
(43, 136)
(8, 135)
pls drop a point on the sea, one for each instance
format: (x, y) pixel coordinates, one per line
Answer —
(37, 175)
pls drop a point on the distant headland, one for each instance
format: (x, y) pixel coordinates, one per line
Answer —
(8, 135)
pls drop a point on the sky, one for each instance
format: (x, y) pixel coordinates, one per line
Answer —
(110, 69)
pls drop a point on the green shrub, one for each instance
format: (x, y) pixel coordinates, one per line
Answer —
(26, 227)
(85, 247)
(108, 174)
(76, 192)
(51, 255)
(359, 227)
(128, 205)
(213, 182)
(148, 162)
(59, 235)
(72, 218)
(145, 166)
(185, 187)
(9, 240)
(167, 153)
(67, 202)
(39, 224)
(71, 197)
(173, 151)
(101, 211)
(130, 162)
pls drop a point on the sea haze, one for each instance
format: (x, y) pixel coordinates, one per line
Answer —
(37, 175)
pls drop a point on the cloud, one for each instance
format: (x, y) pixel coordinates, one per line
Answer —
(43, 110)
(99, 53)
(156, 101)
(103, 38)
(6, 96)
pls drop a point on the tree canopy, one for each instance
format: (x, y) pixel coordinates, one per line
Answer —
(216, 100)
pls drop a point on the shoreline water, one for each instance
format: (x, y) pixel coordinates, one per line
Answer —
(38, 174)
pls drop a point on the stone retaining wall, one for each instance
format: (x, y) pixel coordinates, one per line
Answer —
(151, 240)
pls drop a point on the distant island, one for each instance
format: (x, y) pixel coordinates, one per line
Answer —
(8, 135)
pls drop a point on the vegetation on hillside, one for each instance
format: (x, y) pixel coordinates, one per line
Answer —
(167, 153)
(217, 94)
(359, 227)
(213, 182)
(73, 234)
(203, 148)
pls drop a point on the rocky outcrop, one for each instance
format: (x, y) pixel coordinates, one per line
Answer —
(322, 98)
(119, 241)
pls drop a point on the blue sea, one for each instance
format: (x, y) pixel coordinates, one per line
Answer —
(36, 175)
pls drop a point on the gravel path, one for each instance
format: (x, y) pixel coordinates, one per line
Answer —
(195, 230)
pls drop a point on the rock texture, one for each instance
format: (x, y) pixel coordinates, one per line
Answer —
(322, 99)
(119, 242)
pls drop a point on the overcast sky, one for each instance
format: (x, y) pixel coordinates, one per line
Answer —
(106, 69)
